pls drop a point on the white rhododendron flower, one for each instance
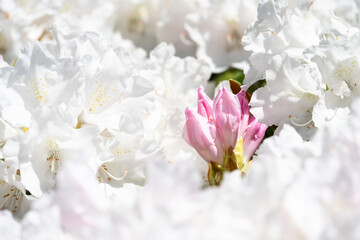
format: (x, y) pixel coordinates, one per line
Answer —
(218, 31)
(293, 88)
(277, 29)
(171, 27)
(23, 21)
(337, 59)
(41, 78)
(51, 140)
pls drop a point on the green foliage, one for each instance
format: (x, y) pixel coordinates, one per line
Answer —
(237, 75)
(270, 131)
(256, 86)
(232, 73)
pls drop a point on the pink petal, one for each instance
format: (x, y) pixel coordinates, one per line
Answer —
(227, 117)
(244, 112)
(203, 136)
(252, 138)
(205, 105)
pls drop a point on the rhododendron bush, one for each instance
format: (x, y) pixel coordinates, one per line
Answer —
(180, 119)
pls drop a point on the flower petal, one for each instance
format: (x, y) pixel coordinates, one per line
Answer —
(227, 117)
(244, 112)
(205, 105)
(203, 136)
(253, 137)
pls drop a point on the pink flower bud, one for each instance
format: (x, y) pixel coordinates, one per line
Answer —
(227, 117)
(203, 136)
(219, 125)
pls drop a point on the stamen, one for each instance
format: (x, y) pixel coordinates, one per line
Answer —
(299, 124)
(54, 161)
(11, 200)
(99, 97)
(40, 90)
(341, 92)
(108, 176)
(120, 178)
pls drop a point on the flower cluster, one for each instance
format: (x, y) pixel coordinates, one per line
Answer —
(99, 137)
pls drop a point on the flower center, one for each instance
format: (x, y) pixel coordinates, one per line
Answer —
(307, 95)
(137, 20)
(98, 98)
(347, 71)
(3, 44)
(40, 90)
(233, 37)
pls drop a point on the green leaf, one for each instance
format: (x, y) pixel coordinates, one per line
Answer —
(270, 131)
(232, 73)
(2, 159)
(256, 86)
